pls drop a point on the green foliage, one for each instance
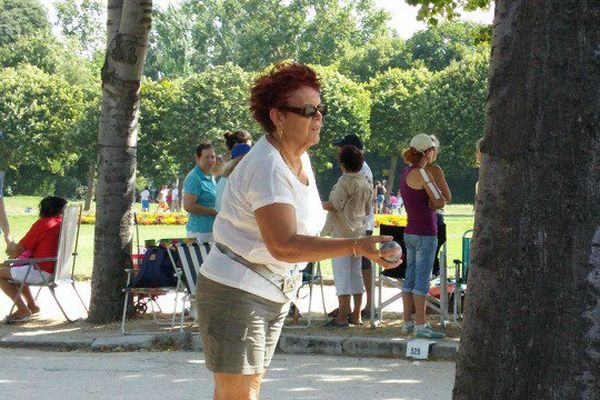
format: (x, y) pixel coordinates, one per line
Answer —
(452, 108)
(21, 18)
(38, 113)
(211, 102)
(439, 45)
(348, 112)
(431, 10)
(82, 21)
(364, 62)
(51, 56)
(156, 161)
(256, 33)
(394, 107)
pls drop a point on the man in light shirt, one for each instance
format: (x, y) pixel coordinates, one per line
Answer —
(4, 226)
(354, 140)
(145, 199)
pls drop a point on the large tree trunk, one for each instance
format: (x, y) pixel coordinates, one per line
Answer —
(90, 187)
(532, 324)
(128, 24)
(392, 174)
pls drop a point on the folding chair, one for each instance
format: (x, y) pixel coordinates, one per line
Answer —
(395, 278)
(310, 275)
(151, 293)
(67, 251)
(191, 255)
(461, 271)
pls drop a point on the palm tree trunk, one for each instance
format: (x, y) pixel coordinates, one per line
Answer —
(128, 23)
(532, 323)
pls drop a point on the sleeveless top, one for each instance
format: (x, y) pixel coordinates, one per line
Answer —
(422, 220)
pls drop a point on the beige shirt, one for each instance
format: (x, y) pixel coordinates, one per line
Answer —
(351, 196)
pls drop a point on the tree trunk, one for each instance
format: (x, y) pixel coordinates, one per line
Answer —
(391, 174)
(180, 180)
(128, 24)
(90, 187)
(532, 324)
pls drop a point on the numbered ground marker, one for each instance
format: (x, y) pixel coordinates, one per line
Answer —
(418, 349)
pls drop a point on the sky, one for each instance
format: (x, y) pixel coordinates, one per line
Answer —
(404, 17)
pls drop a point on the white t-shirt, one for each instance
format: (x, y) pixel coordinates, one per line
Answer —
(175, 194)
(162, 195)
(260, 179)
(366, 171)
(145, 195)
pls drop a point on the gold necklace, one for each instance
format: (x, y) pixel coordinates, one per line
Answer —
(287, 162)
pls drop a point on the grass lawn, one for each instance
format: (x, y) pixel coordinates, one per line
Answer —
(458, 220)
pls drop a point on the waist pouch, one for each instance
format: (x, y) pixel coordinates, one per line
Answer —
(287, 285)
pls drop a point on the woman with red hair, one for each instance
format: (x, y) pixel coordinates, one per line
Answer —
(265, 233)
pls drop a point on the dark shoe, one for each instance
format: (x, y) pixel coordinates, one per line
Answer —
(332, 324)
(333, 313)
(366, 313)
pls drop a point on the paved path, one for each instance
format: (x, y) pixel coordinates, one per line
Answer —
(49, 310)
(29, 374)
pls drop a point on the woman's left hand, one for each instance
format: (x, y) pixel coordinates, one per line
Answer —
(367, 247)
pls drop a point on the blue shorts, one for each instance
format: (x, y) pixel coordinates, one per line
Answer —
(420, 254)
(146, 204)
(380, 199)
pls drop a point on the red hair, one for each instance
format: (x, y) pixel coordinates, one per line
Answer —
(273, 89)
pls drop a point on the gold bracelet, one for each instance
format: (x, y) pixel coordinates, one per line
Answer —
(354, 247)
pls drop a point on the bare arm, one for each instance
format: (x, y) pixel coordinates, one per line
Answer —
(190, 205)
(14, 250)
(416, 180)
(440, 179)
(277, 224)
(4, 226)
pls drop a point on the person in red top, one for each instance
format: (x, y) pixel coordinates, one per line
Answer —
(41, 241)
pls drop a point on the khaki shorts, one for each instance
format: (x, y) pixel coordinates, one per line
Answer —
(239, 330)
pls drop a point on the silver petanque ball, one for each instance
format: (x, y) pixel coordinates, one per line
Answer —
(392, 245)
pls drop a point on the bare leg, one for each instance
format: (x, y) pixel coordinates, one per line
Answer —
(408, 304)
(357, 307)
(366, 275)
(11, 290)
(29, 299)
(237, 386)
(344, 309)
(420, 305)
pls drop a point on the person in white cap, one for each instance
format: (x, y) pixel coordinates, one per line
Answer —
(421, 198)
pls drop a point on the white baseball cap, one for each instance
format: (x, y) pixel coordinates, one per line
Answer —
(422, 142)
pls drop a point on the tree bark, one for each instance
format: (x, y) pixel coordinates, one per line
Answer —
(128, 23)
(392, 174)
(532, 323)
(90, 187)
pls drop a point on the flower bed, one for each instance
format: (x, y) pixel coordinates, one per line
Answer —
(146, 219)
(389, 219)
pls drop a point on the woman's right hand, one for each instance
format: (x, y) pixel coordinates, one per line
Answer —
(366, 246)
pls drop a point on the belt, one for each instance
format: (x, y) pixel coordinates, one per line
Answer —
(288, 285)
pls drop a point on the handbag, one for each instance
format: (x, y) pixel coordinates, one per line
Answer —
(157, 270)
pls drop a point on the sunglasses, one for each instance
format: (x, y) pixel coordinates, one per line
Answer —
(307, 111)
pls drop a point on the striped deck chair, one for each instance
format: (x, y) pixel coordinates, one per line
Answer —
(191, 255)
(65, 259)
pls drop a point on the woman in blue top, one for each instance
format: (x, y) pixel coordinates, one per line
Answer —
(199, 190)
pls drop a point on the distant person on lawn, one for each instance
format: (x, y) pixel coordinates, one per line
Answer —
(41, 241)
(145, 199)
